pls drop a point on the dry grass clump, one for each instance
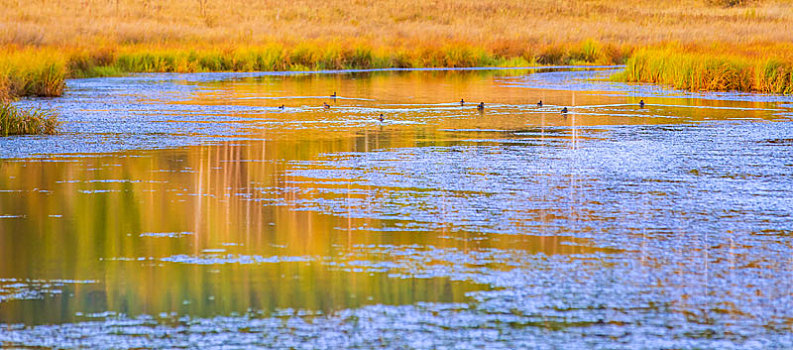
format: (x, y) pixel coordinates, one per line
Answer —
(18, 121)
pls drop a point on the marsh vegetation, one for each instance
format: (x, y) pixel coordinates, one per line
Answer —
(17, 121)
(44, 43)
(761, 69)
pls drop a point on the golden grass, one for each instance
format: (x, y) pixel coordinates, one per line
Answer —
(81, 38)
(31, 72)
(508, 26)
(41, 71)
(767, 69)
(17, 121)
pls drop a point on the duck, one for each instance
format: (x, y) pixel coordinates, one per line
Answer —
(481, 106)
(334, 95)
(641, 103)
(539, 104)
(381, 117)
(325, 105)
(281, 107)
(462, 102)
(564, 110)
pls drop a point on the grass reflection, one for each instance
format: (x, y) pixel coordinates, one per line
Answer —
(138, 222)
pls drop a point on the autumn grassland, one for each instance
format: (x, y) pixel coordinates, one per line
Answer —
(692, 44)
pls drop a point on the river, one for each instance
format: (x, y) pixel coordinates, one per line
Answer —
(186, 210)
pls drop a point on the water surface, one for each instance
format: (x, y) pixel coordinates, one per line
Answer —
(189, 210)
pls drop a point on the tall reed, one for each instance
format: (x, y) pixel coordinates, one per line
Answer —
(695, 70)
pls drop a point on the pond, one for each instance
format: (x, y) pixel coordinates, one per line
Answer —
(191, 210)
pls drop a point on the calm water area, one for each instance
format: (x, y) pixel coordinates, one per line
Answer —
(189, 210)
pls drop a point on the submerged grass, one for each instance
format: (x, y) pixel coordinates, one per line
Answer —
(18, 121)
(764, 69)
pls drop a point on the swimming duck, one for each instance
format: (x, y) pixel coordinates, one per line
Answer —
(539, 104)
(481, 106)
(381, 117)
(281, 107)
(641, 103)
(334, 95)
(462, 102)
(325, 105)
(564, 110)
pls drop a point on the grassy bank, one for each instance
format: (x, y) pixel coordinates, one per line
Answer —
(766, 69)
(17, 121)
(42, 43)
(311, 55)
(41, 71)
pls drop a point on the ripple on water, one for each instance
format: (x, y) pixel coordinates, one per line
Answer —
(166, 234)
(683, 228)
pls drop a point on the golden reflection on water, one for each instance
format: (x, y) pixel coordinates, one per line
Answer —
(122, 219)
(93, 218)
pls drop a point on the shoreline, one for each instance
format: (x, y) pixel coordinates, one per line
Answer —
(41, 72)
